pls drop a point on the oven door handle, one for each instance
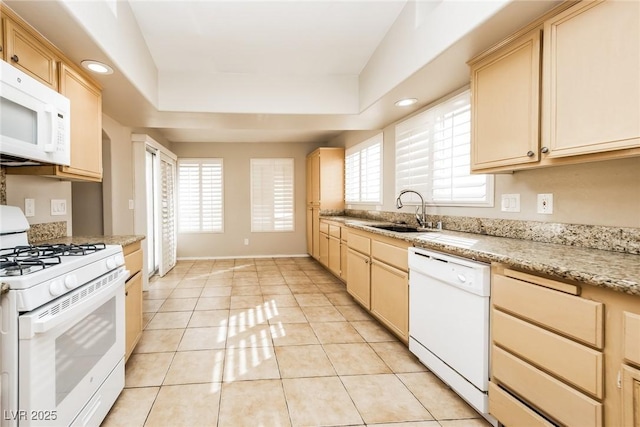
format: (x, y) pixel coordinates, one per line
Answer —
(32, 324)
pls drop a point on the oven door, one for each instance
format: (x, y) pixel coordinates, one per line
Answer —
(68, 348)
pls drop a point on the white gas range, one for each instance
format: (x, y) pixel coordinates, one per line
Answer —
(61, 328)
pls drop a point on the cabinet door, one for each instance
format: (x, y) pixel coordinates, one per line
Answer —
(315, 221)
(310, 231)
(343, 260)
(631, 396)
(591, 79)
(390, 297)
(324, 249)
(29, 54)
(133, 313)
(315, 177)
(359, 277)
(334, 255)
(504, 103)
(86, 124)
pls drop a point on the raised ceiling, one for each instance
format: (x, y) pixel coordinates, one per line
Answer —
(269, 71)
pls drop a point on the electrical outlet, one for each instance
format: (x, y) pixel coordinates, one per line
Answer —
(246, 242)
(131, 205)
(29, 207)
(545, 204)
(58, 207)
(510, 203)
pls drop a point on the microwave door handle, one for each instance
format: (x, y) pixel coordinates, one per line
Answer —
(51, 112)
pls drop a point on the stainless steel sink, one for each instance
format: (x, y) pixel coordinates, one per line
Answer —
(398, 228)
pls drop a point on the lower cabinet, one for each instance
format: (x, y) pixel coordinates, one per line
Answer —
(562, 353)
(133, 297)
(390, 297)
(378, 279)
(324, 249)
(359, 277)
(133, 313)
(631, 396)
(334, 257)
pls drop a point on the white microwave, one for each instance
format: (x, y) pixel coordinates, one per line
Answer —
(34, 121)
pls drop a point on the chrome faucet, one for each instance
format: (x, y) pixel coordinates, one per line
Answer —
(422, 219)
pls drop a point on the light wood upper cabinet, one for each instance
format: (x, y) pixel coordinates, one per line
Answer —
(26, 52)
(578, 103)
(86, 124)
(505, 87)
(591, 79)
(325, 190)
(34, 55)
(326, 178)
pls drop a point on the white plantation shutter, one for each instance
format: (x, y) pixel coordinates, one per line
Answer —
(363, 172)
(272, 203)
(168, 219)
(200, 195)
(433, 156)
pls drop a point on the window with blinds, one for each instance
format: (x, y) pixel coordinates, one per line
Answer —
(272, 202)
(200, 195)
(363, 172)
(167, 216)
(433, 157)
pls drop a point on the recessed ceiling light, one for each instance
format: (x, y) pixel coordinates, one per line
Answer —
(406, 102)
(97, 67)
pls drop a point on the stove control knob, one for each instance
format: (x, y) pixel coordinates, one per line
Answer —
(71, 281)
(111, 263)
(119, 259)
(56, 288)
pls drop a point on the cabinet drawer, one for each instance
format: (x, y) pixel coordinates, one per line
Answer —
(558, 400)
(360, 243)
(631, 327)
(324, 227)
(510, 411)
(390, 254)
(133, 262)
(334, 230)
(566, 359)
(570, 315)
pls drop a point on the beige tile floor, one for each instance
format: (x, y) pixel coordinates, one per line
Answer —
(273, 342)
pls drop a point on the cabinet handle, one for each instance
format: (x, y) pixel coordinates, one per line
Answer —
(126, 294)
(544, 150)
(530, 153)
(0, 48)
(15, 58)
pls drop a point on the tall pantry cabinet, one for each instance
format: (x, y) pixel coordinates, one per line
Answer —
(325, 191)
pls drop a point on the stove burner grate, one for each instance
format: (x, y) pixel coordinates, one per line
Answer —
(23, 260)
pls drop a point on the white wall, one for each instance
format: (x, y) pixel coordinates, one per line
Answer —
(237, 203)
(43, 190)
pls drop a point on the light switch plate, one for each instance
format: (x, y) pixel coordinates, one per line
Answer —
(29, 207)
(545, 204)
(58, 207)
(510, 203)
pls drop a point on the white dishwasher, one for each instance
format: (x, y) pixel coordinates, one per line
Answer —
(449, 322)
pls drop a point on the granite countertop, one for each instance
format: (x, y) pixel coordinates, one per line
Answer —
(109, 240)
(608, 269)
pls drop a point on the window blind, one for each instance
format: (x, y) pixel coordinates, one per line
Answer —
(363, 172)
(200, 194)
(272, 201)
(167, 200)
(433, 156)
